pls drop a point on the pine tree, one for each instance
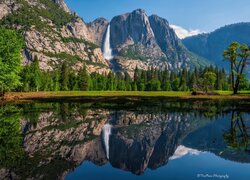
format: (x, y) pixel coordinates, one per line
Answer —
(36, 75)
(10, 60)
(64, 77)
(83, 79)
(56, 81)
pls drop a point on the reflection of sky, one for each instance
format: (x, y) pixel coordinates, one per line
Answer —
(182, 151)
(186, 168)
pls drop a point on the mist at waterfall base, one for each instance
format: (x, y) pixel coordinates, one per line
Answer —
(107, 50)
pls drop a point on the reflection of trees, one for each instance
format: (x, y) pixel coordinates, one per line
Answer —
(68, 111)
(11, 151)
(237, 136)
(31, 112)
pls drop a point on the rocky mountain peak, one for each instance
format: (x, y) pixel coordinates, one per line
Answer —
(159, 19)
(98, 28)
(63, 5)
(165, 35)
(149, 39)
(131, 28)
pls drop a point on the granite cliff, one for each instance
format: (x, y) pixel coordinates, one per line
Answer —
(54, 33)
(135, 36)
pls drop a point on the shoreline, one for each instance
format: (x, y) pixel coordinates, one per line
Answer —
(19, 97)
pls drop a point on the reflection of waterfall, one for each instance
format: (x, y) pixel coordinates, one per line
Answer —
(106, 132)
(182, 151)
(107, 51)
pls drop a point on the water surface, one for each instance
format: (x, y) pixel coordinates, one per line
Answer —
(125, 139)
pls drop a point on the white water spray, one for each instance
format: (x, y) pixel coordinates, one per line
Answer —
(106, 132)
(107, 50)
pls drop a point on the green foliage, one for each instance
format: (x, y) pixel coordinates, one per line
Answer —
(209, 80)
(77, 40)
(32, 77)
(11, 151)
(64, 80)
(237, 137)
(71, 59)
(83, 79)
(132, 54)
(28, 16)
(36, 76)
(10, 59)
(238, 57)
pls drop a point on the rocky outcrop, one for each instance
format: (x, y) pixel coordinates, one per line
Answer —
(167, 39)
(77, 29)
(98, 30)
(50, 50)
(62, 4)
(7, 7)
(135, 36)
(53, 41)
(133, 30)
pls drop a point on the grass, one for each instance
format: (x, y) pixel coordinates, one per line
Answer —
(26, 96)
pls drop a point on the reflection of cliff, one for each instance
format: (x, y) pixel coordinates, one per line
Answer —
(227, 139)
(149, 141)
(57, 141)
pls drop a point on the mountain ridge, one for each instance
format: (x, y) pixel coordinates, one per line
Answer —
(54, 33)
(211, 45)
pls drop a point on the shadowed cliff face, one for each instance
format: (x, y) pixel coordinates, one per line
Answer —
(148, 41)
(149, 143)
(48, 141)
(131, 28)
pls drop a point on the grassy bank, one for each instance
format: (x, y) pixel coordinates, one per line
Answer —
(21, 96)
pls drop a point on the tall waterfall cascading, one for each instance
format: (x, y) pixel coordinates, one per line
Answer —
(106, 132)
(107, 50)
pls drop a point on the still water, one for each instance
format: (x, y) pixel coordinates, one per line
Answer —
(125, 139)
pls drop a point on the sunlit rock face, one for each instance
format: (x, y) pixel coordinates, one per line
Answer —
(7, 6)
(98, 29)
(74, 38)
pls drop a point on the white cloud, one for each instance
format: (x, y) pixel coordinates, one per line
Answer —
(182, 151)
(183, 33)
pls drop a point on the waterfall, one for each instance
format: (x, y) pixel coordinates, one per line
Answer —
(106, 132)
(107, 50)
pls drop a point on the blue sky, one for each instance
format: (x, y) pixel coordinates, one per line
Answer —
(205, 15)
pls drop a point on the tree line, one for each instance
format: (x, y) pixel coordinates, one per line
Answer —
(31, 78)
(66, 79)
